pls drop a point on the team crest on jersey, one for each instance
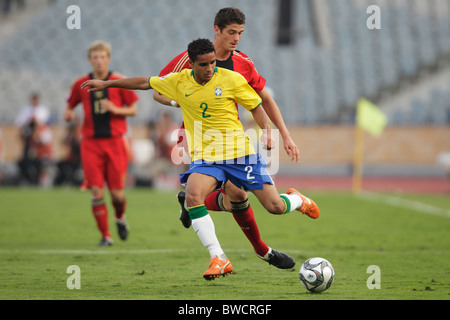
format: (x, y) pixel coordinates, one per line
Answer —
(218, 91)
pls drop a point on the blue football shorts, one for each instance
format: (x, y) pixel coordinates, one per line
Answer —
(249, 172)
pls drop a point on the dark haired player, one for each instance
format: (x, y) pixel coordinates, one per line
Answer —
(228, 29)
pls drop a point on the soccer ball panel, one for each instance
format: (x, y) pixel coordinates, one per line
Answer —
(316, 274)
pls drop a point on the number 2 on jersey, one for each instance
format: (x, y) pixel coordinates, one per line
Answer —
(204, 106)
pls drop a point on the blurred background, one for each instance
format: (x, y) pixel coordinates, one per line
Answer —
(319, 58)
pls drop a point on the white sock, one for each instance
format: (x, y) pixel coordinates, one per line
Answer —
(294, 199)
(204, 227)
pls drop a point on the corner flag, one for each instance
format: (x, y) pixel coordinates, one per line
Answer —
(370, 118)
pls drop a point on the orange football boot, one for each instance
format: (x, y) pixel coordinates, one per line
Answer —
(218, 267)
(308, 206)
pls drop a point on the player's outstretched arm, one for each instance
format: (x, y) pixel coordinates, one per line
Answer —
(135, 83)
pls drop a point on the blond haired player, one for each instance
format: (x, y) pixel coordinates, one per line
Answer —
(104, 150)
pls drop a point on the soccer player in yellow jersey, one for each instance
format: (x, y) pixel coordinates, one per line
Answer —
(229, 25)
(219, 148)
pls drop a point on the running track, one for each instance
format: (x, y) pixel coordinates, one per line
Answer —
(429, 185)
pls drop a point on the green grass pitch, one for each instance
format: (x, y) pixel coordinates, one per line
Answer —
(43, 232)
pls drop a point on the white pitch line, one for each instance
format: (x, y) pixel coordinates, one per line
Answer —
(104, 251)
(91, 252)
(87, 252)
(405, 203)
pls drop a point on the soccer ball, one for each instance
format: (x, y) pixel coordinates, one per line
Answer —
(316, 274)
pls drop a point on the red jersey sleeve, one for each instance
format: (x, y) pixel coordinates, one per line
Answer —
(177, 64)
(257, 82)
(74, 96)
(244, 65)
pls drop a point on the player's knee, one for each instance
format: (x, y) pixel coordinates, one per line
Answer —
(97, 193)
(277, 207)
(234, 193)
(239, 196)
(194, 198)
(118, 196)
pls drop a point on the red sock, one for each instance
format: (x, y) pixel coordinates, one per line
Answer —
(246, 220)
(119, 208)
(211, 201)
(101, 216)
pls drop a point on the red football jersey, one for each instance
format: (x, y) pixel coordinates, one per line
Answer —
(97, 122)
(238, 61)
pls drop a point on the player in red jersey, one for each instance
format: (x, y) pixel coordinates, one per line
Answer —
(104, 150)
(228, 28)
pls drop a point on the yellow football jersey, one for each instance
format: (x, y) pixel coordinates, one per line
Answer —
(211, 121)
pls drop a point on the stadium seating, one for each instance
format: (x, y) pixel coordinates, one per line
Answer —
(311, 83)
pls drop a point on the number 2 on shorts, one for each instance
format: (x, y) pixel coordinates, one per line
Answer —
(249, 170)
